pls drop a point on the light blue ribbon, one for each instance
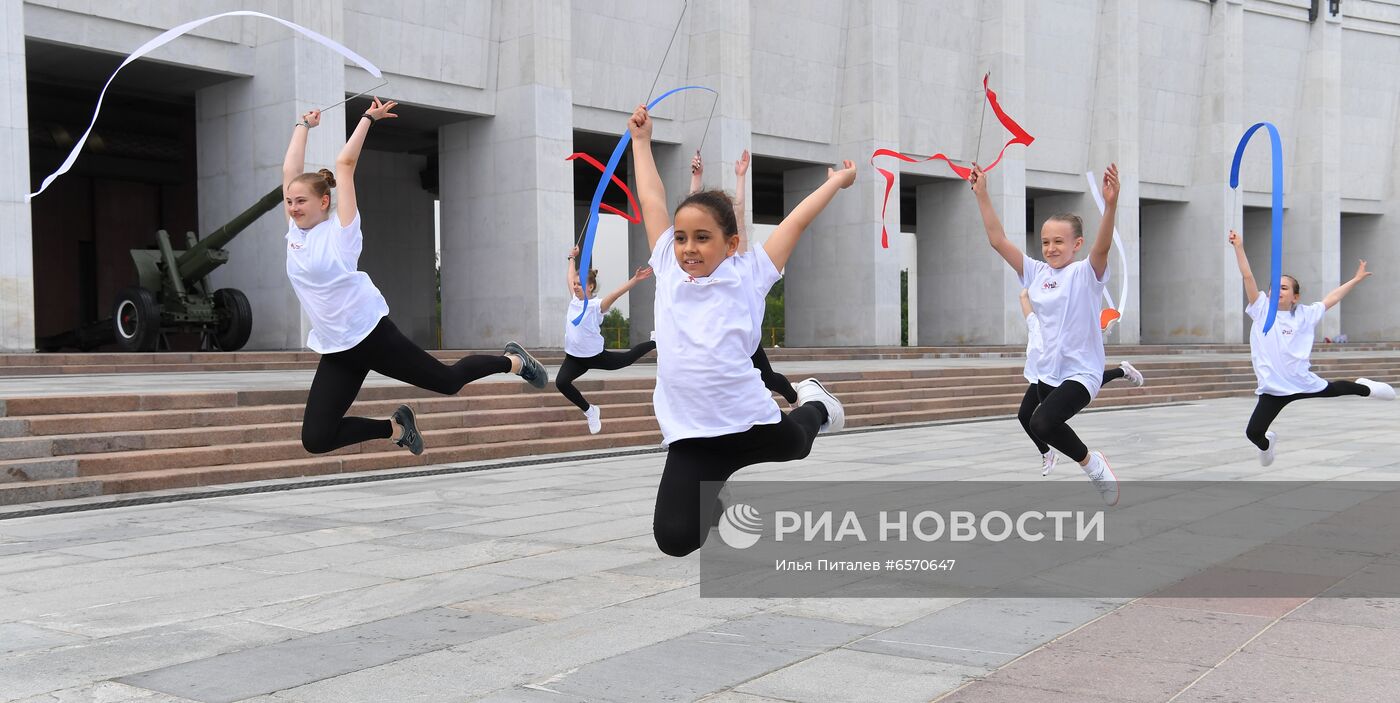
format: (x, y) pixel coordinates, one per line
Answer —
(1276, 219)
(586, 249)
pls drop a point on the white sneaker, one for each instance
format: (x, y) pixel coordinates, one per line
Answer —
(1132, 373)
(595, 419)
(811, 389)
(1101, 474)
(1047, 462)
(1379, 391)
(1266, 456)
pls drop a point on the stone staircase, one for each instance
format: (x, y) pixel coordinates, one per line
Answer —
(76, 446)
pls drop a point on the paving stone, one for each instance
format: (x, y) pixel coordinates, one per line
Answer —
(534, 655)
(708, 661)
(1262, 677)
(846, 675)
(234, 676)
(985, 632)
(22, 637)
(1128, 678)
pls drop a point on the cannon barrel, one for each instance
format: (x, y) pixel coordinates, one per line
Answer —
(200, 259)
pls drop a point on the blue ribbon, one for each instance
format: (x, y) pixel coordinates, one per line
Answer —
(586, 249)
(1276, 219)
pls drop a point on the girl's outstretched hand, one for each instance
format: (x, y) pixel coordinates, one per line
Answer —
(1110, 185)
(1361, 272)
(845, 177)
(379, 110)
(643, 272)
(697, 165)
(640, 124)
(312, 117)
(1236, 240)
(741, 167)
(978, 180)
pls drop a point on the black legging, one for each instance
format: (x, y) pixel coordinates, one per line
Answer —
(1269, 406)
(1044, 411)
(575, 366)
(773, 380)
(339, 376)
(1032, 398)
(682, 498)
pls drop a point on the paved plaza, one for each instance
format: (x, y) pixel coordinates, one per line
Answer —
(542, 583)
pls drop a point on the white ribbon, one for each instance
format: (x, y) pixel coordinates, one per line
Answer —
(1122, 303)
(169, 36)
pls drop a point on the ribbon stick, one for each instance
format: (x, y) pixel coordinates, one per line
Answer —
(1108, 319)
(635, 216)
(1275, 218)
(1018, 136)
(356, 95)
(169, 36)
(586, 251)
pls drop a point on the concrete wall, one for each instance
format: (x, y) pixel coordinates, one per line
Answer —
(1164, 88)
(16, 245)
(397, 221)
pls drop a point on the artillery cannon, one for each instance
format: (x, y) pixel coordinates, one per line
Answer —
(173, 294)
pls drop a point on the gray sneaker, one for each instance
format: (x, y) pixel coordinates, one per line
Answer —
(410, 438)
(531, 370)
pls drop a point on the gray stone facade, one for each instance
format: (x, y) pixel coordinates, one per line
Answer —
(1163, 87)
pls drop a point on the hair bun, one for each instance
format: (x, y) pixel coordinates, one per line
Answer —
(330, 177)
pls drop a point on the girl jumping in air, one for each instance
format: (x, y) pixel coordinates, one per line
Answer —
(773, 380)
(1035, 347)
(1282, 358)
(1065, 296)
(583, 343)
(350, 324)
(716, 416)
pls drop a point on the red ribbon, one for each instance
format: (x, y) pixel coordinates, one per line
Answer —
(636, 216)
(1018, 136)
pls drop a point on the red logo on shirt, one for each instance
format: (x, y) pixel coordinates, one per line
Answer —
(1049, 285)
(1287, 332)
(294, 245)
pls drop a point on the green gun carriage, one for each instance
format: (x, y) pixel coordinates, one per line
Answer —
(172, 294)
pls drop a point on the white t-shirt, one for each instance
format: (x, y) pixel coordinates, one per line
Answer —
(586, 338)
(1035, 348)
(1281, 358)
(343, 304)
(706, 332)
(1066, 302)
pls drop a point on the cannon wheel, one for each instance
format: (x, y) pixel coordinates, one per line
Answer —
(235, 319)
(136, 320)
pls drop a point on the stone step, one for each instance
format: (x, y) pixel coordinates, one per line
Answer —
(159, 479)
(156, 401)
(79, 487)
(107, 453)
(487, 407)
(190, 362)
(120, 443)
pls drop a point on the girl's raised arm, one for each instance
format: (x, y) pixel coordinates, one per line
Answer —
(780, 244)
(1341, 291)
(346, 206)
(1251, 288)
(642, 273)
(650, 191)
(1103, 241)
(996, 234)
(295, 161)
(741, 172)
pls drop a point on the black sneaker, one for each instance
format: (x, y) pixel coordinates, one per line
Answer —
(531, 369)
(410, 437)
